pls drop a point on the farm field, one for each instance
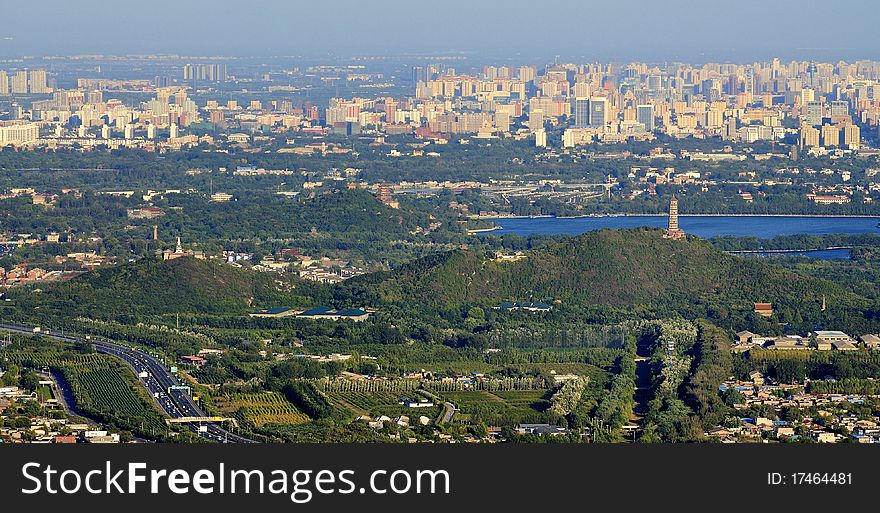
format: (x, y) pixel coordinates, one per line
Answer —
(260, 409)
(499, 408)
(379, 403)
(103, 392)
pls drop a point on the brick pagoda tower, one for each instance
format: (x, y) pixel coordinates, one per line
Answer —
(673, 231)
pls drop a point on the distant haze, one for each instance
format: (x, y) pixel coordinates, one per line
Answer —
(647, 30)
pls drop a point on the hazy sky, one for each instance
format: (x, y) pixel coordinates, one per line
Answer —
(703, 30)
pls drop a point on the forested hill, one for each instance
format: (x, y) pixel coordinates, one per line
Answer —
(155, 287)
(617, 268)
(343, 214)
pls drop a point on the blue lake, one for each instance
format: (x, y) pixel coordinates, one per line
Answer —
(764, 227)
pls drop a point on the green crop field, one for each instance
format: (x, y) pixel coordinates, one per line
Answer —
(103, 392)
(260, 409)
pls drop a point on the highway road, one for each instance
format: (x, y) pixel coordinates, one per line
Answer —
(158, 381)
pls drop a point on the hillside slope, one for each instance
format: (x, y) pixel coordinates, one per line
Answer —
(155, 287)
(617, 268)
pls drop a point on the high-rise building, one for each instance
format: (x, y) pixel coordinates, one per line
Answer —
(839, 111)
(598, 112)
(419, 74)
(541, 138)
(20, 82)
(809, 136)
(830, 135)
(581, 112)
(852, 136)
(205, 72)
(4, 83)
(732, 85)
(38, 83)
(174, 133)
(536, 119)
(645, 116)
(815, 111)
(749, 81)
(729, 131)
(583, 89)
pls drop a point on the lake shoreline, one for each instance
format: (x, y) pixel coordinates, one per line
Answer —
(602, 216)
(705, 226)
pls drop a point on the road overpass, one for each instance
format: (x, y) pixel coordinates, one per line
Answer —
(177, 404)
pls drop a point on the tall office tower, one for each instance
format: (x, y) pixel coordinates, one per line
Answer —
(598, 112)
(655, 82)
(38, 82)
(839, 111)
(4, 83)
(645, 116)
(20, 82)
(174, 133)
(581, 112)
(536, 119)
(814, 113)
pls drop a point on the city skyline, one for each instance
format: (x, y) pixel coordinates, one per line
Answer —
(636, 29)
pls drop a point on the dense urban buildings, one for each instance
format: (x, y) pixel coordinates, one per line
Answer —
(440, 249)
(820, 107)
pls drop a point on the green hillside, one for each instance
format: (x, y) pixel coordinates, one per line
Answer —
(614, 268)
(155, 287)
